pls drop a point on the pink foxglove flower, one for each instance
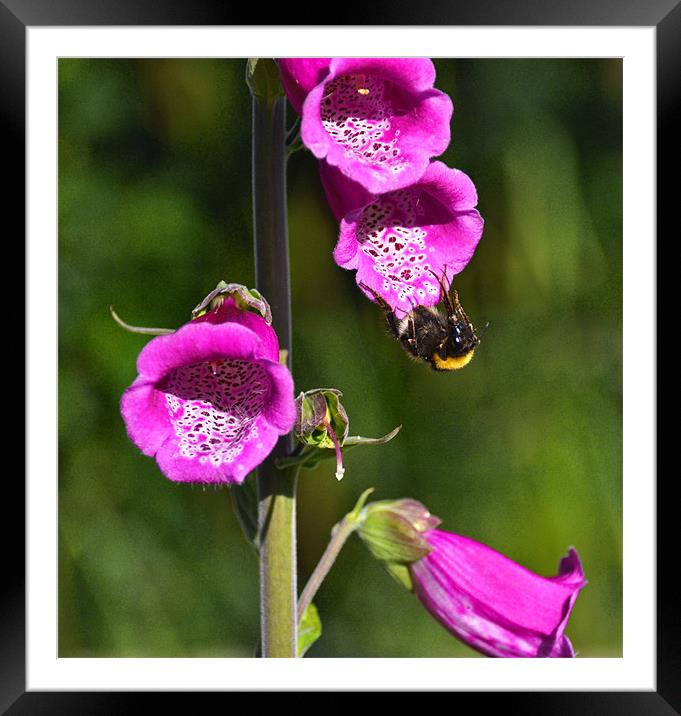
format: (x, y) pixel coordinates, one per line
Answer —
(403, 241)
(211, 399)
(380, 121)
(494, 604)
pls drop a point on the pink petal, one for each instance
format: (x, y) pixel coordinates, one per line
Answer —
(300, 75)
(228, 312)
(343, 194)
(145, 414)
(178, 469)
(196, 342)
(494, 604)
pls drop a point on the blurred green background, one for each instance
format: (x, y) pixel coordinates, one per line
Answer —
(521, 450)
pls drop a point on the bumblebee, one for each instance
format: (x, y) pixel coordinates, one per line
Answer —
(447, 342)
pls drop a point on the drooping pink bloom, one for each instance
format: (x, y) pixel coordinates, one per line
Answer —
(210, 400)
(380, 121)
(494, 604)
(401, 239)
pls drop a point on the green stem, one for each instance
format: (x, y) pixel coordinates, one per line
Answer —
(276, 488)
(339, 536)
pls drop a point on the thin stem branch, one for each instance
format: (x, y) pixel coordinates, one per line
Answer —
(276, 488)
(339, 536)
(294, 131)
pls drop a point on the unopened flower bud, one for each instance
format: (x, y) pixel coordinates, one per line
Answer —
(392, 530)
(321, 421)
(262, 78)
(242, 297)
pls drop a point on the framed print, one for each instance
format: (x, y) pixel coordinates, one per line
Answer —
(155, 172)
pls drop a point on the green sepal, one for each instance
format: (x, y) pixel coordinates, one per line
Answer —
(309, 457)
(262, 78)
(391, 538)
(244, 298)
(139, 329)
(415, 512)
(355, 515)
(245, 504)
(355, 440)
(309, 629)
(401, 574)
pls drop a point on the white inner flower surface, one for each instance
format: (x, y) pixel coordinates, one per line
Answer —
(214, 407)
(356, 113)
(390, 236)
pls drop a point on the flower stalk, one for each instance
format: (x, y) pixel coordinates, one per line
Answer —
(339, 535)
(276, 488)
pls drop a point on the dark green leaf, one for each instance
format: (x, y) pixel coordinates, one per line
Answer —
(309, 629)
(245, 503)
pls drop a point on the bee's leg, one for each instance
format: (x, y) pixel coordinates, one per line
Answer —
(459, 309)
(408, 337)
(451, 310)
(411, 333)
(454, 307)
(390, 316)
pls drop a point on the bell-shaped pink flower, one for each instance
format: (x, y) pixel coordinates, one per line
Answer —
(402, 242)
(380, 121)
(211, 399)
(494, 604)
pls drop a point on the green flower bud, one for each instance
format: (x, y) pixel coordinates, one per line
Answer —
(392, 529)
(317, 411)
(415, 512)
(322, 422)
(262, 78)
(391, 538)
(244, 298)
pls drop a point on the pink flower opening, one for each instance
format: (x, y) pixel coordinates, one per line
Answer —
(210, 400)
(403, 241)
(380, 121)
(493, 604)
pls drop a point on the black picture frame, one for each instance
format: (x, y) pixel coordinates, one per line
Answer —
(17, 15)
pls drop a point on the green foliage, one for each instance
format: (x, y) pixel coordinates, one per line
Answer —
(245, 503)
(309, 629)
(262, 77)
(310, 457)
(522, 449)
